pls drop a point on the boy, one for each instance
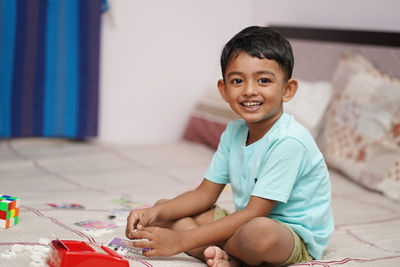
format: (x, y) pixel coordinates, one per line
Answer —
(279, 179)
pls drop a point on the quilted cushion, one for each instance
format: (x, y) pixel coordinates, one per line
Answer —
(361, 134)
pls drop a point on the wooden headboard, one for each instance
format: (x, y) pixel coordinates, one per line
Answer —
(317, 50)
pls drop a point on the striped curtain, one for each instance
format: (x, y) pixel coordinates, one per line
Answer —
(49, 67)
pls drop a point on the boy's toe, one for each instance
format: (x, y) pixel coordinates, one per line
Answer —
(210, 252)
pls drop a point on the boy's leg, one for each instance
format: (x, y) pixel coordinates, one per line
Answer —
(190, 223)
(262, 240)
(193, 222)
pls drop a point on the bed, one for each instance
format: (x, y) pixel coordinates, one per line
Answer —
(348, 98)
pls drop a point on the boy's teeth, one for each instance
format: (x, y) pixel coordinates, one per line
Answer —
(250, 104)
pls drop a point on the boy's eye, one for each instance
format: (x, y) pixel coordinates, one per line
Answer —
(264, 80)
(237, 81)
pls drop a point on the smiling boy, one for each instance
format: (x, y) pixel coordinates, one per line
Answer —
(279, 179)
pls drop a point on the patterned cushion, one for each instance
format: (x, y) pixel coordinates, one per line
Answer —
(361, 134)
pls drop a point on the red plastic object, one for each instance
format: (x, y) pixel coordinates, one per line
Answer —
(68, 253)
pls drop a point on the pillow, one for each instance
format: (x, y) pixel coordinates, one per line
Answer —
(209, 119)
(361, 134)
(310, 103)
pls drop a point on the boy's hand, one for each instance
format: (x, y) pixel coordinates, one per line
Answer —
(138, 219)
(161, 241)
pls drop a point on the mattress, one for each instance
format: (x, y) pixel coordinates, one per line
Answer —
(104, 181)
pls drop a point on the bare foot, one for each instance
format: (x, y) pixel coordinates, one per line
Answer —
(216, 257)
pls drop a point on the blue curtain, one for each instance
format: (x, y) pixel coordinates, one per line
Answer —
(49, 67)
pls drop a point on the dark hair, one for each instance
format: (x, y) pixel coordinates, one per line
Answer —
(261, 42)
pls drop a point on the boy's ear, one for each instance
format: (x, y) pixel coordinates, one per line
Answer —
(222, 89)
(289, 90)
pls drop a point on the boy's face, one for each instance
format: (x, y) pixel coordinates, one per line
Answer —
(255, 89)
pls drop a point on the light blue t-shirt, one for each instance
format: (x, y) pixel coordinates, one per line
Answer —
(285, 165)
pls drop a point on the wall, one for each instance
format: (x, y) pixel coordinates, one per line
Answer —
(353, 14)
(158, 57)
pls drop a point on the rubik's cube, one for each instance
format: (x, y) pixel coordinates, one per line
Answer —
(9, 211)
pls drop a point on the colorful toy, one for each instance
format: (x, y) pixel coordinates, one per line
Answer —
(9, 211)
(68, 253)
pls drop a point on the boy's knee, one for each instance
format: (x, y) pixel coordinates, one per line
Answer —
(257, 234)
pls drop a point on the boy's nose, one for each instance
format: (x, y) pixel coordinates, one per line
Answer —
(250, 89)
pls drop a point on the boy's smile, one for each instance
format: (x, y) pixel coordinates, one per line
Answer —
(255, 89)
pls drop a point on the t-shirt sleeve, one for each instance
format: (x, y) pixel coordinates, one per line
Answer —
(280, 170)
(218, 171)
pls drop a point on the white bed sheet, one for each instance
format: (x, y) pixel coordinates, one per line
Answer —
(41, 171)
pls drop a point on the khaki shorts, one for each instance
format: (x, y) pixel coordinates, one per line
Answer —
(300, 252)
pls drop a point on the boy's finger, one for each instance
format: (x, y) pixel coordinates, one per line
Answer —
(143, 244)
(139, 235)
(151, 229)
(131, 222)
(149, 252)
(129, 227)
(138, 221)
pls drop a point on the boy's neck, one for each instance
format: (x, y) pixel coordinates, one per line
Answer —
(259, 129)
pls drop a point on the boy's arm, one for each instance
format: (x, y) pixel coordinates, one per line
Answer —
(223, 229)
(164, 242)
(190, 203)
(187, 204)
